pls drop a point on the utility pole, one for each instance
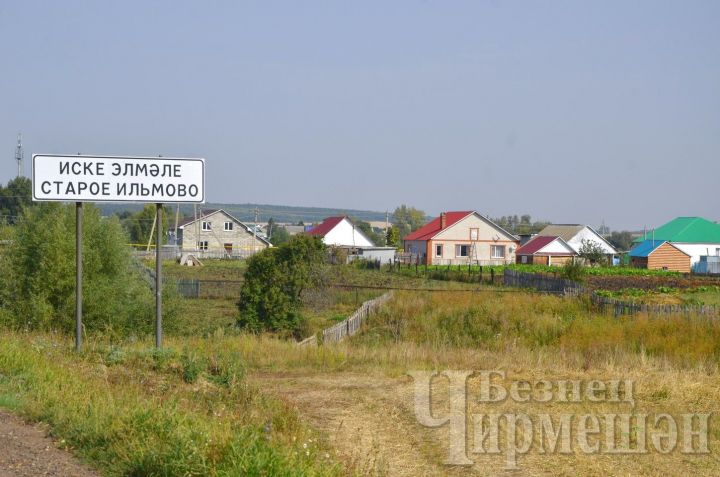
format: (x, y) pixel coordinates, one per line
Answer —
(19, 155)
(387, 225)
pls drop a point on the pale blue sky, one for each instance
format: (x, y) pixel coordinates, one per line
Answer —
(569, 111)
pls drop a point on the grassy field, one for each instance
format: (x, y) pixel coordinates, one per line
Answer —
(216, 401)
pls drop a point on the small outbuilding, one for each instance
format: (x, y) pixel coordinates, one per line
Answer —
(542, 250)
(659, 255)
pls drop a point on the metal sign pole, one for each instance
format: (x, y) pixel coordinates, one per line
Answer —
(158, 279)
(78, 274)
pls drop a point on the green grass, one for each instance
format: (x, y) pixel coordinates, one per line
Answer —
(185, 410)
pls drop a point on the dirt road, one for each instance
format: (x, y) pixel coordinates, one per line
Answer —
(25, 450)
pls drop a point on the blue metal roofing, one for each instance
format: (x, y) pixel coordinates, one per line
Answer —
(645, 248)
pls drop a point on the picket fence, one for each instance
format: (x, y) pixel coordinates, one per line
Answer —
(563, 286)
(350, 325)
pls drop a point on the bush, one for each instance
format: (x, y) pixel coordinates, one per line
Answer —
(573, 270)
(270, 298)
(38, 283)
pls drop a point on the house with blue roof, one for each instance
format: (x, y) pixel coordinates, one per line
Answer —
(660, 255)
(695, 236)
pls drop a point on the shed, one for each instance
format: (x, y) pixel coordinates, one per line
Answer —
(659, 255)
(545, 251)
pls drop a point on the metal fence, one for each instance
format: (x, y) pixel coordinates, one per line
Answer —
(350, 325)
(192, 288)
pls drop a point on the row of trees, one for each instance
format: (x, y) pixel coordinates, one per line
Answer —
(14, 198)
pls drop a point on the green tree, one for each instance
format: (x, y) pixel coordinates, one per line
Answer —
(140, 224)
(277, 235)
(622, 241)
(592, 252)
(270, 298)
(408, 219)
(14, 198)
(38, 280)
(392, 237)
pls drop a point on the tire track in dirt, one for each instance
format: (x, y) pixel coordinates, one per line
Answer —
(367, 420)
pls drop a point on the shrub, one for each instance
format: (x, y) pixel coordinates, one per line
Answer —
(274, 282)
(573, 270)
(38, 283)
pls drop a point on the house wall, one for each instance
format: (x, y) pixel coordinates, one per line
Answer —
(639, 262)
(460, 234)
(555, 247)
(482, 254)
(344, 234)
(667, 257)
(555, 260)
(695, 250)
(243, 242)
(587, 234)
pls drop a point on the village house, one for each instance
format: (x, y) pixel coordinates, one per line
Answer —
(545, 251)
(341, 233)
(462, 237)
(217, 234)
(659, 255)
(576, 234)
(696, 236)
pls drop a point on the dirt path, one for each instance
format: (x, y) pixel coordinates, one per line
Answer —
(366, 418)
(25, 450)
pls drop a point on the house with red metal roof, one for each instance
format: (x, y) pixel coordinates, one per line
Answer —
(462, 237)
(545, 250)
(340, 232)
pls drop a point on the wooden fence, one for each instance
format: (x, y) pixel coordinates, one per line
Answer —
(513, 278)
(350, 325)
(619, 307)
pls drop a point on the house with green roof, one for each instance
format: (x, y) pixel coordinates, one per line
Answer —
(695, 236)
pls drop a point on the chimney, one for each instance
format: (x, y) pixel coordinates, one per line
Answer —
(443, 220)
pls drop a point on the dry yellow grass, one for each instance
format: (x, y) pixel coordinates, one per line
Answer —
(358, 393)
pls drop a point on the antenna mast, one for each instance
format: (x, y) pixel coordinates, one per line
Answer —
(19, 155)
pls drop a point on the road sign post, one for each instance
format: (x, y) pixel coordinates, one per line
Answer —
(79, 179)
(78, 274)
(158, 278)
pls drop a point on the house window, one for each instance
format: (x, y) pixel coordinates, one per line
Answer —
(717, 252)
(206, 226)
(523, 259)
(228, 225)
(461, 250)
(474, 234)
(438, 250)
(202, 246)
(498, 251)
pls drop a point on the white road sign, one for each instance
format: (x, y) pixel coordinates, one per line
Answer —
(117, 179)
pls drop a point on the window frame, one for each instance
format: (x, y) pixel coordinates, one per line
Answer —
(203, 245)
(458, 250)
(206, 226)
(496, 247)
(477, 234)
(439, 246)
(228, 226)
